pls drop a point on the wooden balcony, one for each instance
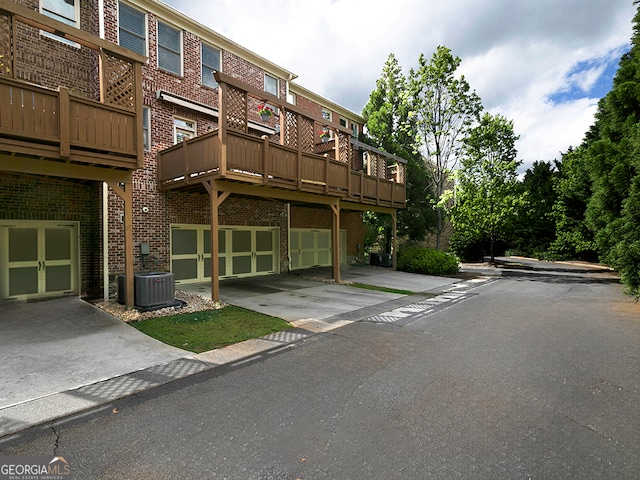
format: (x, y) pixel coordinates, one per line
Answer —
(52, 131)
(288, 160)
(42, 123)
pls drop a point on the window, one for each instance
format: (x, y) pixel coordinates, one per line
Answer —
(291, 98)
(183, 129)
(354, 130)
(65, 11)
(146, 128)
(210, 62)
(343, 122)
(169, 48)
(326, 114)
(132, 29)
(270, 84)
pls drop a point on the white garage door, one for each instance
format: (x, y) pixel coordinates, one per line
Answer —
(242, 252)
(38, 259)
(310, 247)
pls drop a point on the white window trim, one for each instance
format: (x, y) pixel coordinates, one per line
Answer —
(76, 24)
(176, 128)
(277, 94)
(158, 22)
(202, 62)
(146, 27)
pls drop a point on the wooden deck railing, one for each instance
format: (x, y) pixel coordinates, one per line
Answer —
(289, 160)
(55, 124)
(258, 161)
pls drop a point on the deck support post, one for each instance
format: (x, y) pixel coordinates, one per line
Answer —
(335, 242)
(125, 191)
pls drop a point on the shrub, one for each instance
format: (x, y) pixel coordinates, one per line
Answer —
(427, 261)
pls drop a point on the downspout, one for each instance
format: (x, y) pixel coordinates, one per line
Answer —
(105, 240)
(288, 237)
(101, 18)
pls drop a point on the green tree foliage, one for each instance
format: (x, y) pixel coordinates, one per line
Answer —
(572, 186)
(612, 157)
(390, 128)
(443, 108)
(536, 224)
(488, 197)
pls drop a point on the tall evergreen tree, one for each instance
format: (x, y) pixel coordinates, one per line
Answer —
(613, 148)
(536, 225)
(572, 186)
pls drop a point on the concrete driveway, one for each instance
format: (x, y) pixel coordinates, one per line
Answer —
(306, 296)
(59, 345)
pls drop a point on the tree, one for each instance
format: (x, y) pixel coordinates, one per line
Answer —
(572, 186)
(443, 108)
(487, 191)
(536, 225)
(389, 128)
(612, 149)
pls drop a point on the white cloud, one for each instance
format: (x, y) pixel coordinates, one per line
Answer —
(514, 54)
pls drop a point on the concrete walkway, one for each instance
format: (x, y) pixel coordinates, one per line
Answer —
(63, 356)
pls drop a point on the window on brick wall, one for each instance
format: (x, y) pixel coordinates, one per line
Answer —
(210, 62)
(270, 84)
(183, 129)
(354, 130)
(132, 28)
(169, 48)
(65, 11)
(146, 128)
(343, 122)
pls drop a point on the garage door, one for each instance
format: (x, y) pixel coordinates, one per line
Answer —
(38, 259)
(242, 251)
(309, 247)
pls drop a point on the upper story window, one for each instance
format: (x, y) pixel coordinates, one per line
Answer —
(65, 11)
(326, 114)
(354, 130)
(270, 84)
(343, 122)
(210, 62)
(169, 48)
(183, 129)
(291, 98)
(132, 29)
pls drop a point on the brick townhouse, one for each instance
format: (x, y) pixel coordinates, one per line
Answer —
(156, 139)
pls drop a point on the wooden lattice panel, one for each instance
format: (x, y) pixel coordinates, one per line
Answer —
(290, 134)
(119, 84)
(236, 110)
(344, 147)
(5, 44)
(306, 135)
(402, 168)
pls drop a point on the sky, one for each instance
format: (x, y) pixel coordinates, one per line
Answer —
(544, 64)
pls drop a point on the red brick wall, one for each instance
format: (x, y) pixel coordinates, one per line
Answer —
(48, 62)
(54, 200)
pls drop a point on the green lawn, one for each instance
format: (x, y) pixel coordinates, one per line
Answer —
(202, 331)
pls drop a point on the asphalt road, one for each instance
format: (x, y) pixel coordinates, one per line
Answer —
(526, 378)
